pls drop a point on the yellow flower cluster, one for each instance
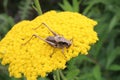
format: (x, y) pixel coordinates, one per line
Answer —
(34, 59)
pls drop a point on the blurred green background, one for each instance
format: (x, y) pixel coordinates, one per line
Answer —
(103, 61)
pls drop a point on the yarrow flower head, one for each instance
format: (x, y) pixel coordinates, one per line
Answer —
(36, 57)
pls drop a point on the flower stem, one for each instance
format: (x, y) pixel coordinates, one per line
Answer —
(57, 75)
(62, 75)
(38, 7)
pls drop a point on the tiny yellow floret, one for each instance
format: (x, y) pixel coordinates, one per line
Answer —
(34, 59)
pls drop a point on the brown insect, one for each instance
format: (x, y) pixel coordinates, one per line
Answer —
(55, 41)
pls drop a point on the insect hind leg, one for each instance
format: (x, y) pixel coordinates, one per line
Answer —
(28, 40)
(34, 35)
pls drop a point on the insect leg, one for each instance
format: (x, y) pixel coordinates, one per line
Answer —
(34, 35)
(71, 40)
(63, 52)
(51, 43)
(28, 40)
(52, 52)
(55, 34)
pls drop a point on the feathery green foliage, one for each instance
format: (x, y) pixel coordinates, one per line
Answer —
(24, 8)
(6, 22)
(66, 6)
(102, 63)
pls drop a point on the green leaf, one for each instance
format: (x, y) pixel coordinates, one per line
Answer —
(112, 56)
(97, 73)
(75, 5)
(24, 8)
(86, 76)
(6, 22)
(45, 78)
(114, 67)
(110, 47)
(5, 3)
(113, 23)
(71, 74)
(66, 5)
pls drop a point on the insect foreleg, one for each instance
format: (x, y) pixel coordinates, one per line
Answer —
(55, 34)
(63, 52)
(71, 40)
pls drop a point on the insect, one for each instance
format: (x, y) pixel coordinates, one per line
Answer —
(55, 41)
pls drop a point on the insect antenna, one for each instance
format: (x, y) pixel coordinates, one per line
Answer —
(55, 34)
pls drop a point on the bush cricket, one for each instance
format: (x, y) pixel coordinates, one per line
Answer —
(55, 41)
